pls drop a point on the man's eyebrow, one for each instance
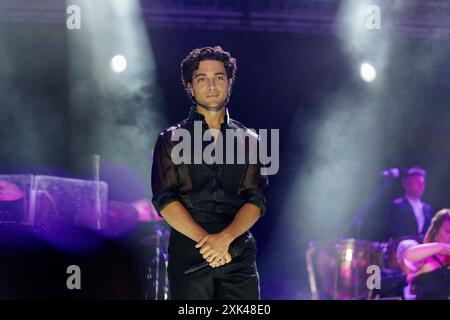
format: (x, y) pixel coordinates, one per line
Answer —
(204, 74)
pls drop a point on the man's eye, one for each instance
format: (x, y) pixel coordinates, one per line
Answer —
(200, 79)
(220, 77)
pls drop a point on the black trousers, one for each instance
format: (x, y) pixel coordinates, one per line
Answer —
(237, 280)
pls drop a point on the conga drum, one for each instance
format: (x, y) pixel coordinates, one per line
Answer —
(338, 270)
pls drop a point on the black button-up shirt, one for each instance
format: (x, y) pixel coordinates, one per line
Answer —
(212, 193)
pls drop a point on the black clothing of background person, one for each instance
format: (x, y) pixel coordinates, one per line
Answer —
(401, 219)
(433, 285)
(213, 194)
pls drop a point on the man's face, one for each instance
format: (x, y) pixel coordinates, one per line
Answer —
(415, 185)
(210, 85)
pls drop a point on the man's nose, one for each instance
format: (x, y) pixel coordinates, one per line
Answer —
(211, 84)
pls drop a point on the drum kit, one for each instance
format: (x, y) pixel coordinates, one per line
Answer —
(339, 270)
(42, 202)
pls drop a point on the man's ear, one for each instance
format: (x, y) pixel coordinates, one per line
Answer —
(191, 90)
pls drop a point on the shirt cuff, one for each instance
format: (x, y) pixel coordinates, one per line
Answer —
(162, 199)
(255, 197)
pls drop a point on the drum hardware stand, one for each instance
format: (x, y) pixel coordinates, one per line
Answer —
(357, 218)
(32, 208)
(166, 277)
(311, 274)
(160, 252)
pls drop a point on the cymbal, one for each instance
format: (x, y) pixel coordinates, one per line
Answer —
(147, 211)
(9, 191)
(122, 218)
(121, 210)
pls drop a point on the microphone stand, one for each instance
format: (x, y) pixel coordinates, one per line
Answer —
(359, 215)
(357, 218)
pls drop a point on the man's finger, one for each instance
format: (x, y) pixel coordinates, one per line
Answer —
(215, 258)
(215, 262)
(220, 263)
(204, 249)
(201, 242)
(208, 253)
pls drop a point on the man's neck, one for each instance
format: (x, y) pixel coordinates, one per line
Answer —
(212, 118)
(412, 197)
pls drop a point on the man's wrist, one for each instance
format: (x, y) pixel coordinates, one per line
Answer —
(200, 236)
(228, 235)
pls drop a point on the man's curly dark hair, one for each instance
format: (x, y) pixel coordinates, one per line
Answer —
(193, 59)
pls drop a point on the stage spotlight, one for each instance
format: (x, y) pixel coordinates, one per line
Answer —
(118, 63)
(368, 72)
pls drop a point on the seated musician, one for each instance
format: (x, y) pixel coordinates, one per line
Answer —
(432, 260)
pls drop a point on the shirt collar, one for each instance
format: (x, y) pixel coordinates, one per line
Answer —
(418, 201)
(194, 115)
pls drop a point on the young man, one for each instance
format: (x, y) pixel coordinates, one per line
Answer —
(209, 206)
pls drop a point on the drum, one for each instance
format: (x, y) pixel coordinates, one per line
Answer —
(13, 199)
(338, 270)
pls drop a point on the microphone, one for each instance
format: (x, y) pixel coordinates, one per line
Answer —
(196, 268)
(235, 250)
(204, 264)
(392, 172)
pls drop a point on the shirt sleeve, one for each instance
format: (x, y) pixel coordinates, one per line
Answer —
(253, 185)
(164, 174)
